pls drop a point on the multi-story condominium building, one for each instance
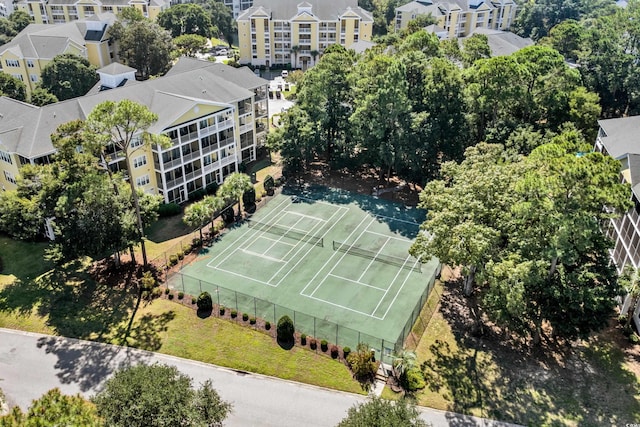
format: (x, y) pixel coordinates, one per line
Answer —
(296, 32)
(619, 139)
(460, 17)
(6, 8)
(33, 48)
(215, 115)
(61, 11)
(238, 6)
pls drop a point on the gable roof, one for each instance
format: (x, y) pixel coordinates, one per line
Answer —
(27, 129)
(286, 10)
(622, 136)
(503, 43)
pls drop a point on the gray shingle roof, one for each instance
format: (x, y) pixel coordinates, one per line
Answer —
(26, 129)
(503, 43)
(623, 136)
(324, 10)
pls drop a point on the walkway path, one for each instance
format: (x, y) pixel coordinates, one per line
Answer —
(31, 364)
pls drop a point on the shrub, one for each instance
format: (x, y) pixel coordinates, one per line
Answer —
(245, 316)
(228, 215)
(212, 188)
(313, 344)
(222, 310)
(634, 338)
(180, 295)
(166, 291)
(180, 255)
(156, 292)
(324, 345)
(194, 300)
(170, 296)
(285, 329)
(197, 195)
(264, 194)
(258, 199)
(334, 351)
(252, 320)
(234, 314)
(267, 325)
(362, 363)
(205, 302)
(169, 209)
(249, 197)
(173, 260)
(346, 351)
(413, 380)
(196, 242)
(303, 339)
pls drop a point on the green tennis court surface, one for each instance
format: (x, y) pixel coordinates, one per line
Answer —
(335, 262)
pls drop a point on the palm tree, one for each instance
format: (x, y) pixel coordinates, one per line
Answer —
(197, 215)
(294, 52)
(234, 187)
(630, 281)
(314, 54)
(404, 362)
(215, 204)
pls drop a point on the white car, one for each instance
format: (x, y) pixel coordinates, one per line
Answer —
(285, 74)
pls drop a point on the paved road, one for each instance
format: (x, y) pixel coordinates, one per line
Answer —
(31, 364)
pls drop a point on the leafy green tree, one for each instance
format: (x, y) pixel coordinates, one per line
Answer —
(123, 124)
(54, 409)
(20, 19)
(362, 364)
(186, 18)
(190, 44)
(381, 412)
(158, 395)
(285, 329)
(143, 45)
(41, 96)
(197, 214)
(474, 48)
(12, 87)
(234, 187)
(566, 38)
(7, 30)
(221, 19)
(419, 22)
(20, 217)
(296, 140)
(68, 76)
(428, 43)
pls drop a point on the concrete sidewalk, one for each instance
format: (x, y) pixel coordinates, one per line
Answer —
(31, 364)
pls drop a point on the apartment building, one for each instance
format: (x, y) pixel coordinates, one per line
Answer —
(618, 138)
(215, 115)
(33, 48)
(62, 11)
(237, 6)
(296, 32)
(459, 18)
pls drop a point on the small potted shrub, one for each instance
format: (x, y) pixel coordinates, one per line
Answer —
(166, 291)
(334, 352)
(173, 260)
(245, 316)
(234, 314)
(180, 295)
(267, 325)
(222, 310)
(345, 352)
(303, 339)
(194, 300)
(180, 255)
(156, 292)
(324, 345)
(252, 320)
(205, 303)
(170, 296)
(313, 344)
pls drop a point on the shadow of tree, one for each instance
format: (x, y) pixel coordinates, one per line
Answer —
(145, 332)
(560, 383)
(87, 363)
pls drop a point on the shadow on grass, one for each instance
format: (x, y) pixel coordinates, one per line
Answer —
(557, 384)
(285, 345)
(167, 228)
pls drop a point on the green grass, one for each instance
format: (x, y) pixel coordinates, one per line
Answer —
(21, 260)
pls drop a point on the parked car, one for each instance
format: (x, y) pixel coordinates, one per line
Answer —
(222, 52)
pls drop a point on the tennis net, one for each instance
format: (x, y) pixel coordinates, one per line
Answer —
(286, 232)
(408, 263)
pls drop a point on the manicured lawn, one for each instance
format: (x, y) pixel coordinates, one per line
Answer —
(21, 260)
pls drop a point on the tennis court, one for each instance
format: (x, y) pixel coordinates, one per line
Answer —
(335, 262)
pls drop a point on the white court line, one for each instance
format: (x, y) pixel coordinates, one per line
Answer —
(397, 293)
(374, 260)
(390, 237)
(342, 257)
(259, 255)
(396, 219)
(307, 216)
(232, 248)
(329, 260)
(243, 276)
(390, 286)
(355, 281)
(282, 237)
(343, 307)
(275, 240)
(344, 212)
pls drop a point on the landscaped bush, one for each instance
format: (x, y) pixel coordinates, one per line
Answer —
(173, 260)
(166, 291)
(413, 380)
(303, 339)
(197, 195)
(196, 243)
(245, 316)
(205, 302)
(180, 255)
(268, 184)
(285, 329)
(222, 310)
(267, 325)
(252, 320)
(362, 363)
(234, 314)
(180, 295)
(634, 338)
(346, 351)
(194, 300)
(249, 197)
(169, 209)
(170, 296)
(313, 344)
(212, 188)
(324, 345)
(228, 216)
(156, 292)
(334, 351)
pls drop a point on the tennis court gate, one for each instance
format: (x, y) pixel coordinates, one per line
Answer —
(310, 325)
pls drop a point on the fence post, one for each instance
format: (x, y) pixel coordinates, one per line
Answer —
(200, 283)
(218, 294)
(314, 327)
(274, 313)
(236, 294)
(336, 334)
(182, 280)
(255, 308)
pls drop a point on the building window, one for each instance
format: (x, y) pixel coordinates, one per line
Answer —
(30, 63)
(136, 141)
(6, 157)
(142, 181)
(12, 62)
(9, 176)
(139, 161)
(33, 77)
(18, 76)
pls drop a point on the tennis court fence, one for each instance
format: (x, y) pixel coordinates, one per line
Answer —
(335, 333)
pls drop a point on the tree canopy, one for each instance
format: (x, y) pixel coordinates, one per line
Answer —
(68, 76)
(186, 18)
(381, 412)
(12, 87)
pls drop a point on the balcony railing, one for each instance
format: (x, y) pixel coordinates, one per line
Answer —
(175, 182)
